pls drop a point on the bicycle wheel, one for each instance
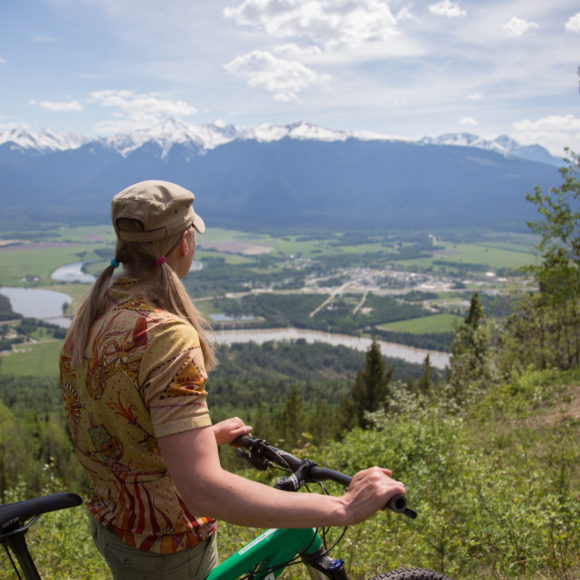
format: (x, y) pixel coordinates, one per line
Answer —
(411, 574)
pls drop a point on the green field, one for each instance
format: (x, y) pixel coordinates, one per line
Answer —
(425, 324)
(36, 360)
(18, 265)
(484, 254)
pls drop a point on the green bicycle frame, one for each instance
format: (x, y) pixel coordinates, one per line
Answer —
(266, 554)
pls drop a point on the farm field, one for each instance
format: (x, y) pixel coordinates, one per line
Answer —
(425, 324)
(32, 264)
(495, 255)
(33, 359)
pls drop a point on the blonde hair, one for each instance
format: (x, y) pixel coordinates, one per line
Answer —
(165, 290)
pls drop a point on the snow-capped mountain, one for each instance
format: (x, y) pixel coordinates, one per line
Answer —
(504, 145)
(298, 176)
(203, 138)
(266, 132)
(172, 132)
(41, 141)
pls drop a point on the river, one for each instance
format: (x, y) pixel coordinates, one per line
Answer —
(72, 273)
(390, 349)
(47, 305)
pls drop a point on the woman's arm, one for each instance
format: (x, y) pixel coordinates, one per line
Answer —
(209, 490)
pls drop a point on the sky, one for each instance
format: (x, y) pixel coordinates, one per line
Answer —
(393, 67)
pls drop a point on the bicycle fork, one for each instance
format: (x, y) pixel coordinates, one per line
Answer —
(320, 565)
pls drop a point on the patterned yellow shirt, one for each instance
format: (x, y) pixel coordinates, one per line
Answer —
(142, 378)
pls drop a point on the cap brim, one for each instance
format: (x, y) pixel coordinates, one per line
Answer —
(198, 224)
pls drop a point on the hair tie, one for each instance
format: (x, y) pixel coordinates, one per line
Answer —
(161, 260)
(114, 263)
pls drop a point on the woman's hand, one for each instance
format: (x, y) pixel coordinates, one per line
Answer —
(230, 429)
(369, 491)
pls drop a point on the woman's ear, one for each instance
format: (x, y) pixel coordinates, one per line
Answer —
(184, 244)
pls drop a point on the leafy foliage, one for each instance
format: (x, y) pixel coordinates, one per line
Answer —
(545, 330)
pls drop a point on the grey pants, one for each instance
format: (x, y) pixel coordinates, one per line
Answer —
(128, 563)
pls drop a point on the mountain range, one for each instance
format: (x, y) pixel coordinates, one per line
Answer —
(294, 176)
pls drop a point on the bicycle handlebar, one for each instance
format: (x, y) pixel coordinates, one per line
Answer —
(262, 454)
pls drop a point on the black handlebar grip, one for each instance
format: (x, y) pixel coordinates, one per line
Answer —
(398, 504)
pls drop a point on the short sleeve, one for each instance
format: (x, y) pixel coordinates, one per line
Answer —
(172, 376)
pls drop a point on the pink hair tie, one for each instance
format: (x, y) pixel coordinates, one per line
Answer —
(161, 260)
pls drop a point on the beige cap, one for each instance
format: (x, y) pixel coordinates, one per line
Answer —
(163, 208)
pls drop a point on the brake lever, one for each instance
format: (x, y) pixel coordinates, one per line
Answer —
(257, 461)
(296, 480)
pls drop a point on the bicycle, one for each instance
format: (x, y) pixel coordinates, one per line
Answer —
(263, 558)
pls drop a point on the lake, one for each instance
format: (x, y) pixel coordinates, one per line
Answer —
(36, 303)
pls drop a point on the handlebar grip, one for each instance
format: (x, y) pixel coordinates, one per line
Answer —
(243, 440)
(399, 505)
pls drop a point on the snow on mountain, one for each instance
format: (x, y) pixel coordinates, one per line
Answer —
(266, 132)
(42, 141)
(504, 145)
(202, 138)
(171, 132)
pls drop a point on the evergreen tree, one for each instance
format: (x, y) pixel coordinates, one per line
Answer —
(425, 381)
(290, 422)
(322, 423)
(469, 365)
(370, 390)
(346, 416)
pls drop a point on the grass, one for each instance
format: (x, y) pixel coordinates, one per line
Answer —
(84, 234)
(425, 324)
(16, 265)
(36, 360)
(495, 255)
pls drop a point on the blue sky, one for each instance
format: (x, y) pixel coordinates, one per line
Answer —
(410, 69)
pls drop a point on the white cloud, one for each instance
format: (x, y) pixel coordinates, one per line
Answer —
(475, 97)
(293, 50)
(133, 103)
(284, 78)
(59, 107)
(573, 23)
(3, 60)
(328, 23)
(468, 121)
(447, 8)
(517, 27)
(554, 132)
(135, 110)
(405, 14)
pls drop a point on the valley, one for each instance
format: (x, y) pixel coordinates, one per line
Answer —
(409, 289)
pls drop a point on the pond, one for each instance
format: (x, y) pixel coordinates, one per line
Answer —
(45, 305)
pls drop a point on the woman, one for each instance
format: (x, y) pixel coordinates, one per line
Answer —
(133, 370)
